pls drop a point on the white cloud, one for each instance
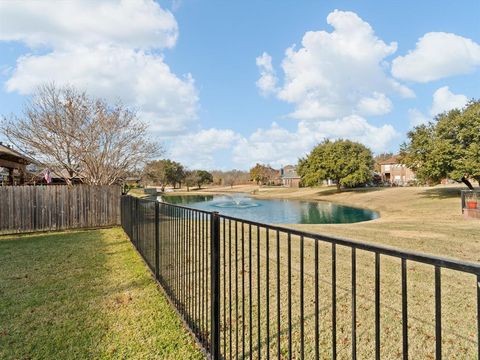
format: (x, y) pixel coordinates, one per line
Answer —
(416, 117)
(352, 127)
(108, 48)
(66, 24)
(378, 104)
(442, 100)
(275, 146)
(333, 80)
(278, 146)
(437, 55)
(267, 83)
(333, 74)
(198, 150)
(445, 100)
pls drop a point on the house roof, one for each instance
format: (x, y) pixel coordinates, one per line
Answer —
(11, 158)
(7, 153)
(390, 160)
(291, 174)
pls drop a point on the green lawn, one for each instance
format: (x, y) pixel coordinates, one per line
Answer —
(83, 295)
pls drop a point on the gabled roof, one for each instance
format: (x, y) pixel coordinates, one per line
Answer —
(390, 160)
(289, 172)
(292, 174)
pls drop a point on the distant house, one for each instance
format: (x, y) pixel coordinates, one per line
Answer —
(14, 165)
(132, 181)
(289, 176)
(395, 173)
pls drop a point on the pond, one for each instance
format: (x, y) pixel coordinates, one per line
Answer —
(274, 211)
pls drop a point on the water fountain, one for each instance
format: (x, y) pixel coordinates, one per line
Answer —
(235, 202)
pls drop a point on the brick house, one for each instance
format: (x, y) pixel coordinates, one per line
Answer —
(289, 176)
(395, 173)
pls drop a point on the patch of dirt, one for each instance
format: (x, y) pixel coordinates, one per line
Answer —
(121, 300)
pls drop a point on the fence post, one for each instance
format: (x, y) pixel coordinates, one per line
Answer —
(135, 216)
(215, 285)
(157, 240)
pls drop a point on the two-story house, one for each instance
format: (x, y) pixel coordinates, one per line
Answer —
(395, 173)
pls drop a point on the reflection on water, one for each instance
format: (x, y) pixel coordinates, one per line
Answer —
(275, 211)
(186, 199)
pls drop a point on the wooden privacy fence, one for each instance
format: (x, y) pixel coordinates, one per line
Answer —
(58, 207)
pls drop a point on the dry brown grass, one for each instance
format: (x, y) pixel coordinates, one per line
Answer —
(428, 220)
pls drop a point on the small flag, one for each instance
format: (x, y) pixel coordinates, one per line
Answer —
(48, 176)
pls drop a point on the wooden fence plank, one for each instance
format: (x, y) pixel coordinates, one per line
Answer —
(57, 207)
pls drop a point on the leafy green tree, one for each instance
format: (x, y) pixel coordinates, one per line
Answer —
(203, 177)
(347, 162)
(262, 174)
(191, 179)
(449, 146)
(198, 178)
(175, 174)
(164, 172)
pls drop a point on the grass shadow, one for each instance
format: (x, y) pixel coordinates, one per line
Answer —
(333, 190)
(443, 192)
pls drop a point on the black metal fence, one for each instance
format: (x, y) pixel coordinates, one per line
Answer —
(252, 290)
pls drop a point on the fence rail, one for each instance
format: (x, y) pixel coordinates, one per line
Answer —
(252, 290)
(57, 207)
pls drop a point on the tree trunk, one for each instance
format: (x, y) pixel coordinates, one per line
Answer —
(466, 182)
(338, 185)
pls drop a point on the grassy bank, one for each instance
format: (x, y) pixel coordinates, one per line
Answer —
(426, 219)
(421, 219)
(84, 295)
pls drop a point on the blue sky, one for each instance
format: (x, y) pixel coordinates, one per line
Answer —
(227, 84)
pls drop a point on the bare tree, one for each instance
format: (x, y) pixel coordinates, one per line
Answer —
(77, 136)
(235, 177)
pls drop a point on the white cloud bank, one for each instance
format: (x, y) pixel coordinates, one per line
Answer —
(438, 55)
(277, 146)
(334, 74)
(334, 81)
(198, 150)
(445, 100)
(109, 48)
(442, 100)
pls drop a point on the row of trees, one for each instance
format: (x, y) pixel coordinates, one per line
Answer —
(81, 137)
(230, 177)
(167, 172)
